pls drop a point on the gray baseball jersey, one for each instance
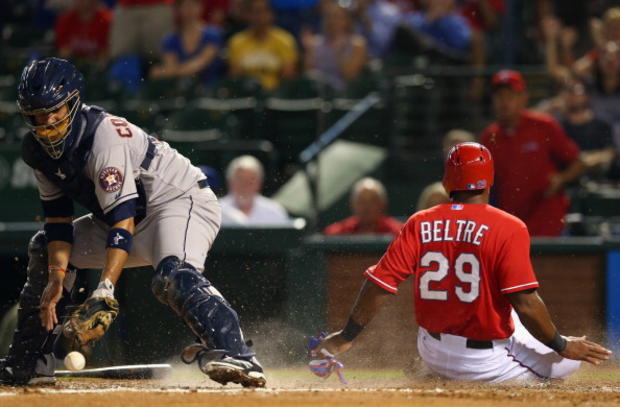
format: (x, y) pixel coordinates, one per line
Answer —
(182, 216)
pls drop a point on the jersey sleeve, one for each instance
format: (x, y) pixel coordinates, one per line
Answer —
(48, 191)
(54, 202)
(112, 173)
(515, 268)
(397, 264)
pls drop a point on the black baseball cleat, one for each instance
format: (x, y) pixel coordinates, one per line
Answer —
(15, 376)
(248, 373)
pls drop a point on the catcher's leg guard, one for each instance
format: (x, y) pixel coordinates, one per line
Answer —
(30, 358)
(25, 358)
(201, 306)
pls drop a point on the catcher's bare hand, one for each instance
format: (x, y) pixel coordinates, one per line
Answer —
(582, 349)
(90, 321)
(50, 297)
(334, 344)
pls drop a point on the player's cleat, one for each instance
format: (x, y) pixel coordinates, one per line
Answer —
(247, 373)
(225, 369)
(11, 376)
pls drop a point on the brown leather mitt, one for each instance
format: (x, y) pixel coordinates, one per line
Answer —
(90, 321)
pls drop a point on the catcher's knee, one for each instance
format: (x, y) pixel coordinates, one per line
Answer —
(175, 282)
(37, 253)
(37, 244)
(36, 272)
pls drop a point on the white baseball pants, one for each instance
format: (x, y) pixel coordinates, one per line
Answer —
(520, 357)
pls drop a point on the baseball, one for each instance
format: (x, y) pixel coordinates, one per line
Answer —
(75, 361)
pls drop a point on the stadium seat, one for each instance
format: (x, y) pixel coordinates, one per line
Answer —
(240, 98)
(294, 116)
(191, 127)
(24, 36)
(371, 126)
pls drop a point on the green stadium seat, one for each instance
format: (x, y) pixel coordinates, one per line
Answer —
(146, 116)
(294, 116)
(191, 127)
(371, 127)
(24, 36)
(240, 98)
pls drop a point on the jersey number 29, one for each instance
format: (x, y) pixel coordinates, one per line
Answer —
(471, 278)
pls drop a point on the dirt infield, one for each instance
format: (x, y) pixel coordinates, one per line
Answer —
(295, 387)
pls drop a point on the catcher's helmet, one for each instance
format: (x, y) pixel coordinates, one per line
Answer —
(44, 87)
(468, 167)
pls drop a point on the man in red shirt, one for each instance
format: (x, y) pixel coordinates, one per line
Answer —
(470, 264)
(82, 32)
(534, 158)
(368, 202)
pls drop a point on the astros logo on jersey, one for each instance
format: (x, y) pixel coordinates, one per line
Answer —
(111, 179)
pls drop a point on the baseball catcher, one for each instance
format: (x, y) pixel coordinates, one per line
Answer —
(149, 206)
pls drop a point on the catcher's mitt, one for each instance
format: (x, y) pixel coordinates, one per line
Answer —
(90, 321)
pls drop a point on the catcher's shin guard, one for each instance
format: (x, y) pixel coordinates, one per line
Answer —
(201, 306)
(25, 358)
(30, 357)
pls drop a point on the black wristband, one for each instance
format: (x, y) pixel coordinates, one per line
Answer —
(558, 343)
(351, 330)
(119, 238)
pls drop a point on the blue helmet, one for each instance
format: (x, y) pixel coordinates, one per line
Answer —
(46, 87)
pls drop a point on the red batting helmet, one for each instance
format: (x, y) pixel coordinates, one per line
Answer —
(468, 167)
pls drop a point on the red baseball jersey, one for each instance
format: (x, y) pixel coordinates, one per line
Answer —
(463, 259)
(85, 39)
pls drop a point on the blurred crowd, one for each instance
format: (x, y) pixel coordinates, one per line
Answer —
(335, 41)
(268, 40)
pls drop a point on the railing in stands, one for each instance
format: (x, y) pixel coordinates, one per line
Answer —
(308, 155)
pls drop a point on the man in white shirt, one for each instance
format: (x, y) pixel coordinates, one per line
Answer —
(244, 205)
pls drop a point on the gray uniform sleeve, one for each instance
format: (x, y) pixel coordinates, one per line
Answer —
(112, 173)
(47, 190)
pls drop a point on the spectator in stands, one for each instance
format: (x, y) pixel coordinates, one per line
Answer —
(82, 32)
(262, 51)
(215, 12)
(534, 159)
(338, 55)
(483, 17)
(560, 41)
(295, 16)
(194, 49)
(244, 205)
(593, 135)
(438, 27)
(139, 27)
(236, 18)
(377, 21)
(435, 194)
(368, 203)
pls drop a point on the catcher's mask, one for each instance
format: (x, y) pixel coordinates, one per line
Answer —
(45, 87)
